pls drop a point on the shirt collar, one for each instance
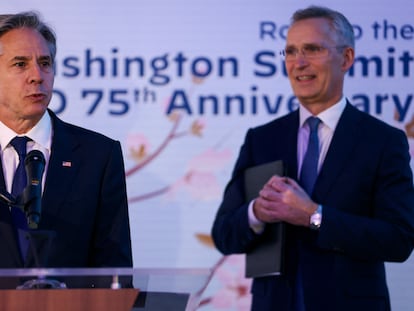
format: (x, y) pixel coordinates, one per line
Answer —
(329, 117)
(41, 133)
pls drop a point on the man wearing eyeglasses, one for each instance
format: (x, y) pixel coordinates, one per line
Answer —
(348, 200)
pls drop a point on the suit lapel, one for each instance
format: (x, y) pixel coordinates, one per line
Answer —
(342, 145)
(279, 142)
(62, 169)
(291, 143)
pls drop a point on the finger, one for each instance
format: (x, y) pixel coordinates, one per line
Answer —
(267, 193)
(275, 178)
(292, 183)
(280, 184)
(262, 208)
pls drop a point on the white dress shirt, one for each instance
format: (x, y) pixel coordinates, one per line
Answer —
(330, 118)
(41, 136)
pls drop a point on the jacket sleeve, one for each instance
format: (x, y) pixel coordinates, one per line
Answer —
(231, 231)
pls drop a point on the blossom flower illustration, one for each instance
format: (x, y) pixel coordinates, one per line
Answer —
(138, 146)
(409, 128)
(197, 127)
(234, 288)
(200, 181)
(211, 159)
(140, 152)
(200, 185)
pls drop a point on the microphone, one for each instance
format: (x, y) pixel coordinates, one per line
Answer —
(32, 194)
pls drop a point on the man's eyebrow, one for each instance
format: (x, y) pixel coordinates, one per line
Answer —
(21, 58)
(45, 58)
(304, 44)
(26, 58)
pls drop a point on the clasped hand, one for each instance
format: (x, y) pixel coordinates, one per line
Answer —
(282, 199)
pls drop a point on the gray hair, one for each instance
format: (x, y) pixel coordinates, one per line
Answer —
(31, 20)
(339, 22)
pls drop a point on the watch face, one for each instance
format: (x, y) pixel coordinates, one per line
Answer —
(315, 220)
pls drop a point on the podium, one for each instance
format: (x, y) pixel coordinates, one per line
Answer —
(93, 289)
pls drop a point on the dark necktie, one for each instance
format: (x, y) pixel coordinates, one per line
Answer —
(307, 179)
(19, 183)
(309, 170)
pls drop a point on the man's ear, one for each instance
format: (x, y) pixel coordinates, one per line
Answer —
(349, 57)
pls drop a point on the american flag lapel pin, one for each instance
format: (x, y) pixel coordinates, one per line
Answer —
(66, 163)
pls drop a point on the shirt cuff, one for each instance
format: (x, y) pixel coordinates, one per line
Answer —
(255, 224)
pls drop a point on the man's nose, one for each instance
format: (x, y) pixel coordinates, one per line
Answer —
(35, 74)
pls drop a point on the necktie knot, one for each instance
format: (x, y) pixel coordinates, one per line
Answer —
(313, 123)
(19, 144)
(19, 180)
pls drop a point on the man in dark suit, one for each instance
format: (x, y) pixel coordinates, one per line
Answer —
(356, 212)
(84, 201)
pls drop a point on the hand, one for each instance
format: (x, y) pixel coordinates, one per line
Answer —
(282, 199)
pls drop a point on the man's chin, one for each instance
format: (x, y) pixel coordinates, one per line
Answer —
(36, 111)
(307, 98)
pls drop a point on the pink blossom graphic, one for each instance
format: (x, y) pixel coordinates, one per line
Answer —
(200, 181)
(234, 291)
(138, 146)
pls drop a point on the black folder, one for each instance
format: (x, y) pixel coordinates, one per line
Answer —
(266, 257)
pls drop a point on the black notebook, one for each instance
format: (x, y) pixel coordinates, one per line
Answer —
(266, 258)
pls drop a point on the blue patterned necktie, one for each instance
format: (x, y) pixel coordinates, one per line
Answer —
(19, 183)
(309, 170)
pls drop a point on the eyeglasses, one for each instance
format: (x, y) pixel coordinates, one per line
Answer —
(308, 51)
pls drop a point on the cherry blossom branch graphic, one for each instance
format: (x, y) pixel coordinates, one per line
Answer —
(196, 129)
(200, 182)
(203, 288)
(173, 134)
(235, 288)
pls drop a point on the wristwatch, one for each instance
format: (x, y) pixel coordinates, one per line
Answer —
(316, 218)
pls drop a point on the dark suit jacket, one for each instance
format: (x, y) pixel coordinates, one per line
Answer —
(366, 189)
(84, 202)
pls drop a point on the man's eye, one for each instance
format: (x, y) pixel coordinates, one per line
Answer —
(46, 64)
(312, 49)
(20, 64)
(290, 52)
